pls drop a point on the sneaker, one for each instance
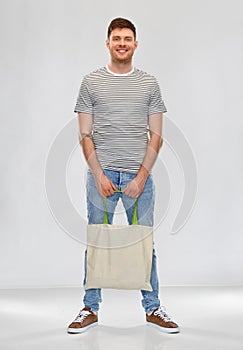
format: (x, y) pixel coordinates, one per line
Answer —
(160, 319)
(85, 320)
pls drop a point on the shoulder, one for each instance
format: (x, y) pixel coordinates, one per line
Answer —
(96, 74)
(146, 76)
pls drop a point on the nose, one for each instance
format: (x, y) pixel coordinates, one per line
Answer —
(122, 42)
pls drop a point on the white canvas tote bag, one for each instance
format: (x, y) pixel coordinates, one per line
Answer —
(119, 257)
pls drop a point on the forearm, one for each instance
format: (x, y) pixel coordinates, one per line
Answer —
(85, 139)
(90, 155)
(135, 187)
(103, 184)
(150, 156)
(154, 145)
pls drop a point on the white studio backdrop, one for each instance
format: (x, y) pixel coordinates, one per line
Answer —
(194, 48)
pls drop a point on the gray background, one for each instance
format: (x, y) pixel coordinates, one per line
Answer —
(194, 49)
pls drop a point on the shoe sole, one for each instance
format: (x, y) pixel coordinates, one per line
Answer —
(164, 329)
(82, 329)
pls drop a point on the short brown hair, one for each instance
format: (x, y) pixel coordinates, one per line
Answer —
(121, 23)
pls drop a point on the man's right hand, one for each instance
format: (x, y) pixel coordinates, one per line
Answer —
(104, 185)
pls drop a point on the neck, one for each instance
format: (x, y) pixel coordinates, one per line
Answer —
(120, 67)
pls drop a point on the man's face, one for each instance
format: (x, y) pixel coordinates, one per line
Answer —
(121, 45)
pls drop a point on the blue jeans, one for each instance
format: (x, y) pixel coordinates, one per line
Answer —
(145, 211)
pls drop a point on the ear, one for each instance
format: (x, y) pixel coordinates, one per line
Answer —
(136, 44)
(107, 42)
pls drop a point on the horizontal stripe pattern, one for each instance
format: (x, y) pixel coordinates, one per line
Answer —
(120, 105)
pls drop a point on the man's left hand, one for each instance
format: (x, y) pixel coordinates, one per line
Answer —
(135, 187)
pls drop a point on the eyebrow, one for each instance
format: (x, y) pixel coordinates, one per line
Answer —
(126, 37)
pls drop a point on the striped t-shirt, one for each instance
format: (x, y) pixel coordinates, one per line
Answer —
(120, 105)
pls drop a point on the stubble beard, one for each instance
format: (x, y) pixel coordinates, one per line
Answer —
(124, 60)
(121, 60)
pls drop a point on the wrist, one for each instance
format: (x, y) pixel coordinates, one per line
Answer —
(142, 174)
(97, 173)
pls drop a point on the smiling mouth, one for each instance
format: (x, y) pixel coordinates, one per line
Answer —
(121, 50)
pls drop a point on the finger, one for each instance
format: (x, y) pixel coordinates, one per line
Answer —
(106, 192)
(111, 191)
(136, 194)
(113, 186)
(130, 194)
(124, 190)
(103, 195)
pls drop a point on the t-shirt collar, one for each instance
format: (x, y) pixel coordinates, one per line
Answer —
(123, 74)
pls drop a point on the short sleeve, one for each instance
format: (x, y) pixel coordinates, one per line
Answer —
(156, 103)
(84, 102)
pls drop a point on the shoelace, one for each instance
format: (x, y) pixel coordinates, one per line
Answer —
(81, 316)
(161, 312)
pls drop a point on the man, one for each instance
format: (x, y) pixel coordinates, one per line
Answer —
(115, 106)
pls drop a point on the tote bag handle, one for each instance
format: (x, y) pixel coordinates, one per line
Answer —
(134, 215)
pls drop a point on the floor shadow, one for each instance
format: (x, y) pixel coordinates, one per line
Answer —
(97, 338)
